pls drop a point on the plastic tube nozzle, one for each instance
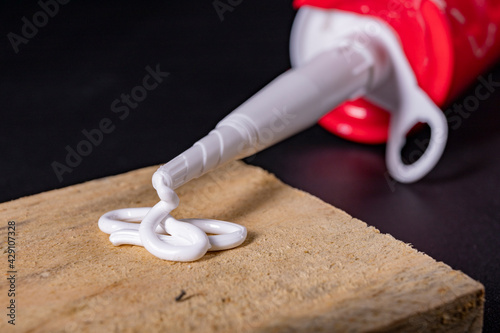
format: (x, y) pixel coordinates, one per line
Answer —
(289, 104)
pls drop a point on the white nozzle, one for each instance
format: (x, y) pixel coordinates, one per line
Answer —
(334, 66)
(289, 104)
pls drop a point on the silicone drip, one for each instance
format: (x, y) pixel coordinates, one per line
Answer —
(187, 239)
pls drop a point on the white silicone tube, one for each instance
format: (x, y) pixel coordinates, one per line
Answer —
(289, 104)
(331, 66)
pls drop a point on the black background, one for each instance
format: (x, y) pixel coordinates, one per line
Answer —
(66, 77)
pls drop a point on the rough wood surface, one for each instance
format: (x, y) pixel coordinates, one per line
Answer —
(306, 266)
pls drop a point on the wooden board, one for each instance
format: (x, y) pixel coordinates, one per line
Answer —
(306, 266)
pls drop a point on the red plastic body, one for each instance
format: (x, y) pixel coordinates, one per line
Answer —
(448, 43)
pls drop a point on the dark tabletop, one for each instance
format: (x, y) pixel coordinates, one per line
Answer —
(64, 79)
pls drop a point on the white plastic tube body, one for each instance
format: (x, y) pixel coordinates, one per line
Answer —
(289, 104)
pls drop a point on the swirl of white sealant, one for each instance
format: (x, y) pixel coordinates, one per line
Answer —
(187, 241)
(196, 241)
